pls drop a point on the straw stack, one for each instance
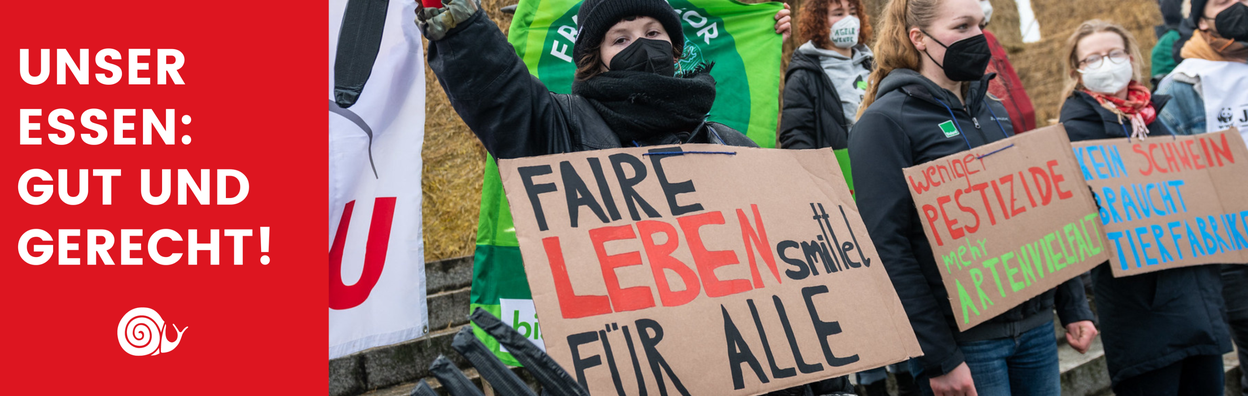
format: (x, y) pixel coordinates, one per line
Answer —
(1040, 65)
(454, 160)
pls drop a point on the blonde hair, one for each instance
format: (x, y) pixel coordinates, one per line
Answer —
(1089, 28)
(892, 47)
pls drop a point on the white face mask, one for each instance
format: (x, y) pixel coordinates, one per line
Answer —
(1109, 78)
(845, 32)
(987, 6)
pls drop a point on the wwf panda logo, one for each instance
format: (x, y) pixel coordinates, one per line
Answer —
(1225, 116)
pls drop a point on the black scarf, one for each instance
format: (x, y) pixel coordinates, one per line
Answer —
(641, 105)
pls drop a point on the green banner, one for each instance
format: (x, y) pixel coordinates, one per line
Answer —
(739, 38)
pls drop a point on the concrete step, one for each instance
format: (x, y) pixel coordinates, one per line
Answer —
(390, 365)
(449, 308)
(1234, 374)
(447, 284)
(1082, 374)
(449, 274)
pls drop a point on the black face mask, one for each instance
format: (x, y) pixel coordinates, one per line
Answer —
(966, 59)
(646, 55)
(1232, 23)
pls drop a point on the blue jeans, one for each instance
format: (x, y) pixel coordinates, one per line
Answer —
(1022, 365)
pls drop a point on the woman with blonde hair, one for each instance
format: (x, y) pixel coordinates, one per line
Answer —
(1163, 331)
(927, 99)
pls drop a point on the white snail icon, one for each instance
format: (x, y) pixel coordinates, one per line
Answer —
(141, 332)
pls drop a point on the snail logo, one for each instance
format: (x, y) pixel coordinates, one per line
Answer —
(141, 332)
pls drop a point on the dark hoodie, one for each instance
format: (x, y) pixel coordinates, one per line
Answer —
(512, 112)
(899, 130)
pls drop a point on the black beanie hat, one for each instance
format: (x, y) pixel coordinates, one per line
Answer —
(1171, 13)
(598, 16)
(1197, 10)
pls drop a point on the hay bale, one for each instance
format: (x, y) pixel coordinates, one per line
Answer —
(1039, 65)
(453, 165)
(1005, 25)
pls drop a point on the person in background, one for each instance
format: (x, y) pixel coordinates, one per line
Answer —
(1218, 52)
(1163, 331)
(827, 77)
(931, 56)
(824, 86)
(626, 90)
(1007, 86)
(1163, 60)
(1218, 48)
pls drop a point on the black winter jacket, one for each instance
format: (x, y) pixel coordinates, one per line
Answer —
(512, 112)
(1151, 320)
(900, 130)
(812, 116)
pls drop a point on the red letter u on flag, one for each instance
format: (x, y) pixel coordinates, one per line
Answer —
(342, 296)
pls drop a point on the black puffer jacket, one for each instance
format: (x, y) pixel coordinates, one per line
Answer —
(1151, 320)
(899, 130)
(514, 114)
(812, 116)
(1085, 119)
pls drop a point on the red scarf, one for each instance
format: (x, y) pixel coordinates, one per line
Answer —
(1139, 101)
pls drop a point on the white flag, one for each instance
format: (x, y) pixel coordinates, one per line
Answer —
(376, 263)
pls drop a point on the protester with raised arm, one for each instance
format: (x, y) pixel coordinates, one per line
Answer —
(626, 92)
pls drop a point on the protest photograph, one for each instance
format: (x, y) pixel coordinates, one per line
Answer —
(627, 197)
(798, 197)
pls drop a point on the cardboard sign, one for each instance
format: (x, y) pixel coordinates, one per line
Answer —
(1007, 221)
(739, 38)
(1170, 202)
(713, 271)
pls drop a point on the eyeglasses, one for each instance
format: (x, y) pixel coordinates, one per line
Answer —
(1095, 60)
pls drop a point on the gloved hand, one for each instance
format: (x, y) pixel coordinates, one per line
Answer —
(436, 22)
